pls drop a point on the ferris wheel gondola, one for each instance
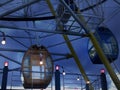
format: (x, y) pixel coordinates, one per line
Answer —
(37, 67)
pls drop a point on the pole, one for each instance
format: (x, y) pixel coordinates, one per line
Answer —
(57, 78)
(4, 77)
(103, 80)
(87, 86)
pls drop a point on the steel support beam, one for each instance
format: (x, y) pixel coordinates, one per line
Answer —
(99, 50)
(53, 45)
(15, 69)
(25, 37)
(28, 19)
(45, 31)
(67, 55)
(92, 6)
(71, 47)
(19, 42)
(18, 8)
(63, 58)
(2, 4)
(22, 37)
(117, 1)
(76, 58)
(10, 59)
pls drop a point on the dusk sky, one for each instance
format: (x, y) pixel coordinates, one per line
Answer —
(24, 23)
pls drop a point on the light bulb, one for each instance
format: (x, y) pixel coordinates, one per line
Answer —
(4, 39)
(41, 62)
(3, 42)
(41, 57)
(88, 82)
(64, 73)
(6, 63)
(57, 67)
(102, 71)
(78, 78)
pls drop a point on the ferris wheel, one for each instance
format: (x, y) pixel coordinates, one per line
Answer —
(43, 22)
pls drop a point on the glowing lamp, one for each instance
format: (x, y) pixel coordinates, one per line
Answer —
(78, 78)
(64, 72)
(88, 82)
(41, 62)
(102, 71)
(6, 63)
(57, 67)
(3, 41)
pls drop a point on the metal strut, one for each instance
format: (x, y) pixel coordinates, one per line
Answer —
(99, 50)
(71, 48)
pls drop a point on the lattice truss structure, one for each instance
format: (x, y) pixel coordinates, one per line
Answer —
(44, 22)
